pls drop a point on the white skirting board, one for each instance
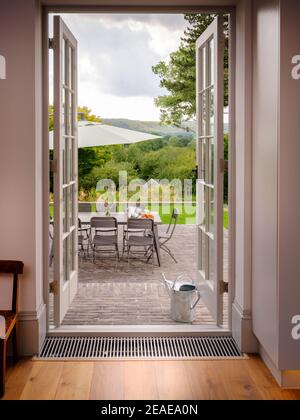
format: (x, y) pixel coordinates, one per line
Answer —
(285, 379)
(32, 331)
(242, 330)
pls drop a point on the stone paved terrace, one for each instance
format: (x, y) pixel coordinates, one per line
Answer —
(135, 296)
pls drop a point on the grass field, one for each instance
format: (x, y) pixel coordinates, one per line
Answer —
(187, 213)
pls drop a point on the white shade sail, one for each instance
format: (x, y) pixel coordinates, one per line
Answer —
(92, 134)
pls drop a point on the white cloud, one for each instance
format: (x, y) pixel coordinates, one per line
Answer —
(170, 21)
(163, 41)
(110, 106)
(116, 55)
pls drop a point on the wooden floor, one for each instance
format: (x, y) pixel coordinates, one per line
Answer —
(137, 380)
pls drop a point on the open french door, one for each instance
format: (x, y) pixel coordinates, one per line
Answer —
(210, 155)
(65, 169)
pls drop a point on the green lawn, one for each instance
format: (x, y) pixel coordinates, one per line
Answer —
(187, 214)
(225, 218)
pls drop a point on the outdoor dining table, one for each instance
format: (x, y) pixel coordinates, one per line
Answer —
(122, 219)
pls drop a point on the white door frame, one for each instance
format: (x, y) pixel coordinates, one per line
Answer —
(232, 165)
(210, 155)
(66, 169)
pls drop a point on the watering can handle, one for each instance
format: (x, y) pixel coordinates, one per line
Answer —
(168, 284)
(177, 279)
(197, 301)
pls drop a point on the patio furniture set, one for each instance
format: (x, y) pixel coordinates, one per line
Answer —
(98, 234)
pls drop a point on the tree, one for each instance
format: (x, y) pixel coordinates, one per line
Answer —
(110, 170)
(90, 157)
(83, 112)
(179, 141)
(174, 141)
(178, 76)
(169, 163)
(87, 157)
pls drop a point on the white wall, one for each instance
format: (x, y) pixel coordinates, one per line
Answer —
(242, 306)
(289, 187)
(265, 173)
(276, 175)
(21, 157)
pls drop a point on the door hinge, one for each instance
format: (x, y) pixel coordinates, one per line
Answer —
(224, 287)
(223, 165)
(51, 43)
(53, 287)
(53, 166)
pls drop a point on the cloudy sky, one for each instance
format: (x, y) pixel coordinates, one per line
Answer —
(116, 54)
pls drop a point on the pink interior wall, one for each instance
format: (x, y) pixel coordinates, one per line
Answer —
(265, 173)
(20, 176)
(276, 176)
(289, 187)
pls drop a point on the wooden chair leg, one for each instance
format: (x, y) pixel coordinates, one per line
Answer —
(15, 344)
(2, 366)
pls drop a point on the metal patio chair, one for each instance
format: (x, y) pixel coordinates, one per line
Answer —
(104, 237)
(83, 239)
(139, 239)
(125, 234)
(84, 208)
(164, 239)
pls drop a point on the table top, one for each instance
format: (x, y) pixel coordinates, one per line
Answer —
(122, 218)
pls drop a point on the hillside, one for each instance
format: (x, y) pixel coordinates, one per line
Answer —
(151, 127)
(154, 127)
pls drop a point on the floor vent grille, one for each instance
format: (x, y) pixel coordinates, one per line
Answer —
(103, 348)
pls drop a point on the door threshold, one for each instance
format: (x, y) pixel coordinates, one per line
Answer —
(141, 330)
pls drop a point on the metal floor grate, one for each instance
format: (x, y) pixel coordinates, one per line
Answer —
(103, 348)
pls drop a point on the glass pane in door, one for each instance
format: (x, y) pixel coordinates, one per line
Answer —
(65, 260)
(211, 271)
(211, 110)
(204, 253)
(203, 113)
(203, 68)
(202, 206)
(211, 210)
(202, 169)
(211, 161)
(211, 52)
